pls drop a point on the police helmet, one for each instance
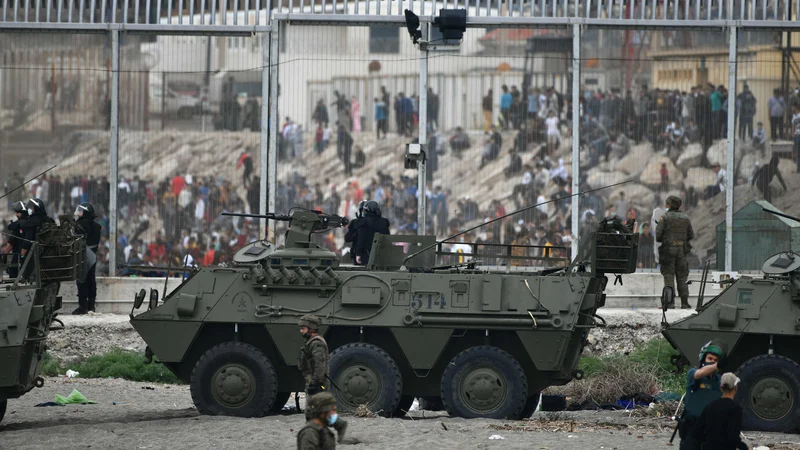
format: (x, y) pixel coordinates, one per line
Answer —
(36, 206)
(85, 209)
(311, 321)
(713, 348)
(19, 207)
(361, 207)
(372, 208)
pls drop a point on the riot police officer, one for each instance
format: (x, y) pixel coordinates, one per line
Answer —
(365, 230)
(14, 241)
(86, 226)
(352, 230)
(37, 216)
(313, 364)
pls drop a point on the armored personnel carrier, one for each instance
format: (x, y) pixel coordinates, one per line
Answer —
(756, 320)
(483, 338)
(28, 305)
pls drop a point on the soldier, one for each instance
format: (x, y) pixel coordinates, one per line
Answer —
(14, 241)
(87, 291)
(316, 435)
(37, 216)
(313, 364)
(674, 231)
(702, 388)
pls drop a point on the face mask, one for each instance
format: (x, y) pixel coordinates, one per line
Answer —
(30, 212)
(332, 418)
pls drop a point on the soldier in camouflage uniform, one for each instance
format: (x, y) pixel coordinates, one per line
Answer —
(313, 364)
(316, 435)
(674, 231)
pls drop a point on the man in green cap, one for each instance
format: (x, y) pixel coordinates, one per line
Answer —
(674, 231)
(315, 434)
(702, 388)
(313, 364)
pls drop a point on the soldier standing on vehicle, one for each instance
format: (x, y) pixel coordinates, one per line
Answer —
(313, 364)
(674, 231)
(37, 216)
(352, 230)
(316, 434)
(87, 290)
(702, 388)
(14, 241)
(364, 231)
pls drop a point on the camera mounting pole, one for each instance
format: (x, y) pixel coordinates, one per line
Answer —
(423, 132)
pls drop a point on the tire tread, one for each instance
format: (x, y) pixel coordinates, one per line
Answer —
(491, 351)
(204, 406)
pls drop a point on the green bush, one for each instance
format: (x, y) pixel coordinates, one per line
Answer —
(114, 364)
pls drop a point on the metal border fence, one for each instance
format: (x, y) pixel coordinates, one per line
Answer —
(265, 17)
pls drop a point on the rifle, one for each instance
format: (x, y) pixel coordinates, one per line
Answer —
(678, 425)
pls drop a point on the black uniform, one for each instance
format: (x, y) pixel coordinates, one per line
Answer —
(14, 230)
(365, 231)
(87, 291)
(352, 237)
(30, 227)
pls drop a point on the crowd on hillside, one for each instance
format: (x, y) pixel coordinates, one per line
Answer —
(178, 217)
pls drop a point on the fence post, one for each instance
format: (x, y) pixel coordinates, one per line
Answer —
(265, 131)
(576, 134)
(113, 152)
(422, 200)
(272, 119)
(730, 162)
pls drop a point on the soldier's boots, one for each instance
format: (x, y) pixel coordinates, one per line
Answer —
(685, 304)
(341, 428)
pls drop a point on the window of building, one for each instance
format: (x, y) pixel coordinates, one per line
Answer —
(384, 40)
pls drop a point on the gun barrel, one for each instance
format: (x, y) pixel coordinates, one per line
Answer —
(778, 213)
(271, 216)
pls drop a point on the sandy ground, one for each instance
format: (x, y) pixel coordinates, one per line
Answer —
(165, 418)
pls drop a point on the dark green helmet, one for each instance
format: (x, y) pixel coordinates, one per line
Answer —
(320, 403)
(674, 202)
(310, 321)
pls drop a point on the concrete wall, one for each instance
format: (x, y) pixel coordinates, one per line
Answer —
(640, 290)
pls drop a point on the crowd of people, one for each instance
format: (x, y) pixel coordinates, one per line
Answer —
(182, 213)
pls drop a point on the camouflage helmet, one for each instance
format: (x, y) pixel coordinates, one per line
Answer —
(321, 403)
(310, 321)
(674, 202)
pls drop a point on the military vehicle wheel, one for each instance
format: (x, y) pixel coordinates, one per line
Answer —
(484, 382)
(770, 394)
(280, 402)
(234, 379)
(405, 404)
(530, 406)
(3, 405)
(365, 375)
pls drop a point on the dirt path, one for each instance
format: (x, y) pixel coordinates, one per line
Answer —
(164, 417)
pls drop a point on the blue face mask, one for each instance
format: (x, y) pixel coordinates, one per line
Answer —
(332, 418)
